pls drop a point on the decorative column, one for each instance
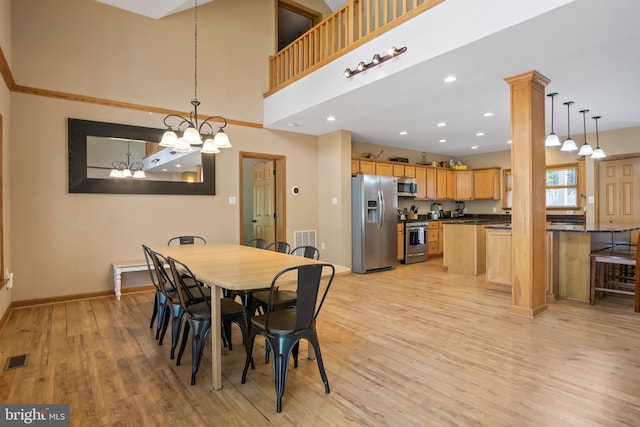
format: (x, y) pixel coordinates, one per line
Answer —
(528, 215)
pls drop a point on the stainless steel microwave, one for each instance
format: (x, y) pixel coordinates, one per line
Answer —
(407, 187)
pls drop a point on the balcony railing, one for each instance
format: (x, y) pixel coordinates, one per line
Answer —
(354, 24)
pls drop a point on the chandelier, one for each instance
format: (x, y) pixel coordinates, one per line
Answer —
(191, 131)
(127, 169)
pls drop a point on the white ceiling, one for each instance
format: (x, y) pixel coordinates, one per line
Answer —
(154, 8)
(588, 48)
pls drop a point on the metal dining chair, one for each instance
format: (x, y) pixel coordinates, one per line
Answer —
(186, 240)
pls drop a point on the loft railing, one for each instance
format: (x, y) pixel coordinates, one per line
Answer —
(354, 24)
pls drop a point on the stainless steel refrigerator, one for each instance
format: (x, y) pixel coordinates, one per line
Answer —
(374, 216)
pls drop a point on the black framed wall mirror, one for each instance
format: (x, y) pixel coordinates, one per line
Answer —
(107, 158)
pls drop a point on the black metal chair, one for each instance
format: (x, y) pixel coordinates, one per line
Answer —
(306, 251)
(172, 308)
(282, 247)
(257, 243)
(186, 240)
(164, 291)
(199, 316)
(283, 329)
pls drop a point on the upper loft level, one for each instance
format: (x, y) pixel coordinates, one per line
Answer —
(574, 43)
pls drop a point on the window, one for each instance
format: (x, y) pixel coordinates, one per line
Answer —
(561, 187)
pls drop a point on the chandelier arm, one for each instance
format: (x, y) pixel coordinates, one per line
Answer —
(206, 121)
(181, 121)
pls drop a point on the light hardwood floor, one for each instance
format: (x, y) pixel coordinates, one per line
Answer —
(411, 347)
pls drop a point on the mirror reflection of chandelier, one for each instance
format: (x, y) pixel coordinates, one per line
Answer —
(127, 169)
(192, 134)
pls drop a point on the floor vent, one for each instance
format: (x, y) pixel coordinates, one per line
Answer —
(304, 238)
(14, 362)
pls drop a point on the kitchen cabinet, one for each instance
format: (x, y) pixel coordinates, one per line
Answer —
(400, 241)
(367, 167)
(486, 184)
(431, 184)
(421, 176)
(464, 184)
(441, 184)
(464, 249)
(385, 169)
(434, 238)
(355, 167)
(404, 171)
(440, 237)
(451, 184)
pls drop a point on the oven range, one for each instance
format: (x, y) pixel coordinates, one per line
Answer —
(416, 244)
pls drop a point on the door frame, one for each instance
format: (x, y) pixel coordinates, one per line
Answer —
(279, 192)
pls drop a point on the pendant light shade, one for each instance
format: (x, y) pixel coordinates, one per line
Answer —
(598, 153)
(569, 144)
(552, 139)
(586, 149)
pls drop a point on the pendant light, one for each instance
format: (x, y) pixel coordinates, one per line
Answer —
(193, 131)
(568, 144)
(598, 153)
(586, 149)
(552, 139)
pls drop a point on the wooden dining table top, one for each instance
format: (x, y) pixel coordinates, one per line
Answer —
(235, 267)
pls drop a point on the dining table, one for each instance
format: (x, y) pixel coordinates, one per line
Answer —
(236, 268)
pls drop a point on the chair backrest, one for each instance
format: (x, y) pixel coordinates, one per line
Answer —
(183, 277)
(156, 264)
(186, 240)
(257, 243)
(309, 279)
(282, 247)
(636, 297)
(307, 252)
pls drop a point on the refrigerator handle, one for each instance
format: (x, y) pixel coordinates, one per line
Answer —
(381, 207)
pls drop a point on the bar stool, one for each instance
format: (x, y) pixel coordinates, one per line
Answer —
(615, 272)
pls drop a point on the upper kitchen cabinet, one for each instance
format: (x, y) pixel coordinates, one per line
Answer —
(404, 171)
(486, 184)
(385, 169)
(421, 177)
(464, 184)
(441, 184)
(451, 185)
(432, 184)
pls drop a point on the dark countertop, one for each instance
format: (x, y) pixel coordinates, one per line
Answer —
(580, 228)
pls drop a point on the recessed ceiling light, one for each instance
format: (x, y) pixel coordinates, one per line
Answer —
(403, 132)
(178, 166)
(488, 114)
(475, 147)
(441, 124)
(509, 142)
(442, 140)
(450, 79)
(480, 134)
(331, 118)
(292, 125)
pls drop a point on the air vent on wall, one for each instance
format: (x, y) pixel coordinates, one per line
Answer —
(304, 238)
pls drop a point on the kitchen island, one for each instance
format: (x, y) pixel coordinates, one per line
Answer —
(569, 248)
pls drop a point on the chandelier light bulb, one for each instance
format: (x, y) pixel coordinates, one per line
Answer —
(169, 139)
(191, 136)
(221, 139)
(209, 146)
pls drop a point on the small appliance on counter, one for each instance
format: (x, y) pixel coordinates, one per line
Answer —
(460, 208)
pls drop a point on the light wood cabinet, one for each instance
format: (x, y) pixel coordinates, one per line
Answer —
(433, 238)
(400, 241)
(486, 184)
(451, 185)
(507, 189)
(385, 169)
(355, 167)
(441, 184)
(367, 167)
(464, 184)
(404, 171)
(499, 256)
(440, 237)
(421, 177)
(432, 178)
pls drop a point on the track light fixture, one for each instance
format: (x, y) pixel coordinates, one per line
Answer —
(392, 52)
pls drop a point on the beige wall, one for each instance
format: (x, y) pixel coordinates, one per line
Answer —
(5, 40)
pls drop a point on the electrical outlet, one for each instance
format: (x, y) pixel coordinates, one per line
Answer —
(494, 210)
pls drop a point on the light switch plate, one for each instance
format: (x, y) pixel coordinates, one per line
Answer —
(232, 200)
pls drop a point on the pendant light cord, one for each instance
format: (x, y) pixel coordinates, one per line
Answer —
(195, 52)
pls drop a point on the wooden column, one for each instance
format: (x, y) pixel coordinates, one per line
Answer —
(528, 215)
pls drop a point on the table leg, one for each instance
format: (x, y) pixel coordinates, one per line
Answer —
(216, 341)
(117, 281)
